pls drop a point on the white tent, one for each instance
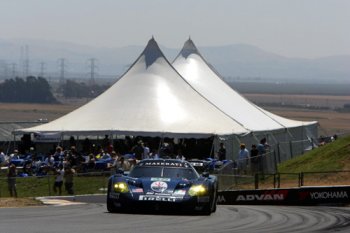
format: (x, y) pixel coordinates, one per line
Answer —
(282, 131)
(193, 67)
(150, 99)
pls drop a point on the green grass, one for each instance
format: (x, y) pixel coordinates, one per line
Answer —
(326, 165)
(43, 186)
(334, 156)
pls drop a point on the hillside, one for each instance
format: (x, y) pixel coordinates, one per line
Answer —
(328, 165)
(334, 156)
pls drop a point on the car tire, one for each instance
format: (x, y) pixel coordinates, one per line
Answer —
(210, 207)
(111, 207)
(214, 206)
(110, 203)
(206, 210)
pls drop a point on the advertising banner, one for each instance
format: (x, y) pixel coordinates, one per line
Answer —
(47, 137)
(293, 196)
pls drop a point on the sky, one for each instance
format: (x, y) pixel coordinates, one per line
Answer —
(292, 28)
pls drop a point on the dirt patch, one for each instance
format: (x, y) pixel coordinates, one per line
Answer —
(18, 202)
(32, 112)
(331, 122)
(328, 101)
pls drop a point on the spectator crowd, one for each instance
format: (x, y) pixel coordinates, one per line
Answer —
(111, 155)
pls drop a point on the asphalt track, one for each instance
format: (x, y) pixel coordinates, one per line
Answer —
(93, 217)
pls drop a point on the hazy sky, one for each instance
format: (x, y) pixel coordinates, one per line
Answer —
(294, 28)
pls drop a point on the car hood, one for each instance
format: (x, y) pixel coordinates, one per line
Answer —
(160, 185)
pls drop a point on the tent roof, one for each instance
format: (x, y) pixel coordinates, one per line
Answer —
(150, 99)
(199, 74)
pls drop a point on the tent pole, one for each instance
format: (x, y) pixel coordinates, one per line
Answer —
(255, 137)
(290, 134)
(238, 140)
(14, 143)
(113, 139)
(273, 138)
(110, 139)
(160, 144)
(212, 153)
(302, 139)
(9, 143)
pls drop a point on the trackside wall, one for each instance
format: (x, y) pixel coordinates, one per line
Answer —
(296, 196)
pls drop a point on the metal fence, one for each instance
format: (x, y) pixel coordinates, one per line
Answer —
(32, 186)
(96, 182)
(283, 180)
(276, 154)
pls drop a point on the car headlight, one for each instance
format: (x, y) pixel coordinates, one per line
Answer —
(197, 190)
(121, 187)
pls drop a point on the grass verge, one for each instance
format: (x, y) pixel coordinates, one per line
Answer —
(18, 202)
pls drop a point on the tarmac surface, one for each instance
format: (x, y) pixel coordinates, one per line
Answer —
(86, 214)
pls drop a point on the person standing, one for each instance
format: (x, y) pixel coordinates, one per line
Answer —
(146, 151)
(243, 159)
(14, 155)
(122, 164)
(262, 146)
(68, 179)
(254, 159)
(3, 159)
(138, 150)
(58, 155)
(11, 180)
(59, 180)
(222, 152)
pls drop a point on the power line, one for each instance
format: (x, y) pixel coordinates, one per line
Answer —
(62, 67)
(93, 67)
(13, 70)
(26, 61)
(42, 69)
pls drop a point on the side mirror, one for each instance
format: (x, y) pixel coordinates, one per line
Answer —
(205, 174)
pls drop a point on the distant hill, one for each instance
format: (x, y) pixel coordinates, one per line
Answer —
(234, 62)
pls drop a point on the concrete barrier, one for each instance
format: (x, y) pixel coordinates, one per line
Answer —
(333, 195)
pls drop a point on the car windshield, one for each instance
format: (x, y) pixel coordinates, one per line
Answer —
(166, 172)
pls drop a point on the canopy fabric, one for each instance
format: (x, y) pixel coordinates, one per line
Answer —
(198, 73)
(150, 99)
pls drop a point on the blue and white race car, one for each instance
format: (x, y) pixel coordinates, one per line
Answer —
(163, 184)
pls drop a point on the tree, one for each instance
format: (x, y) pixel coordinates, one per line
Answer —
(31, 90)
(72, 89)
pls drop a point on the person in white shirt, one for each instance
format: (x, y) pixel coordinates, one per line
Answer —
(243, 159)
(59, 180)
(146, 151)
(49, 161)
(15, 155)
(3, 158)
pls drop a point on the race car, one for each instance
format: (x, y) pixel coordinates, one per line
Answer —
(163, 184)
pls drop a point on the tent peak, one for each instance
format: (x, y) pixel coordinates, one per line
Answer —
(189, 48)
(152, 52)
